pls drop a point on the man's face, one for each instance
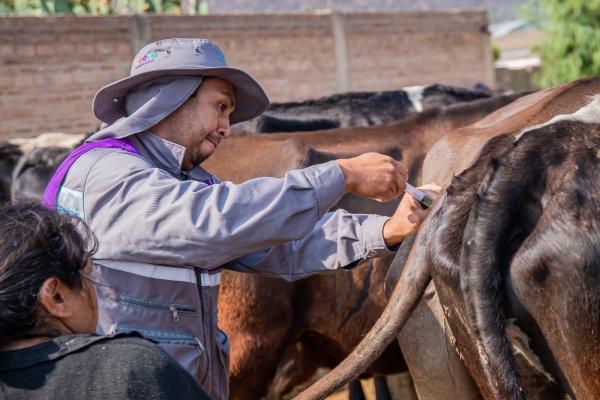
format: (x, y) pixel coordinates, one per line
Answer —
(202, 121)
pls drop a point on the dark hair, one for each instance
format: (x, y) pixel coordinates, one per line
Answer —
(36, 243)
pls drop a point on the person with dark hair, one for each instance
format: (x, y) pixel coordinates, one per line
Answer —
(48, 316)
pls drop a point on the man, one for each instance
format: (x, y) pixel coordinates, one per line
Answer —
(165, 226)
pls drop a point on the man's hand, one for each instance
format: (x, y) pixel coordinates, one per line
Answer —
(375, 176)
(408, 216)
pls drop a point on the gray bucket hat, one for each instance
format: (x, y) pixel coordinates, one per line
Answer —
(150, 103)
(181, 57)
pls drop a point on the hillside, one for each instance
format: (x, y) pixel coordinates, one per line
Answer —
(499, 10)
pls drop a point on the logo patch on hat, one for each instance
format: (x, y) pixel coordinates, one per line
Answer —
(145, 59)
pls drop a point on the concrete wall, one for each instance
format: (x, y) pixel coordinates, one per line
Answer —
(51, 67)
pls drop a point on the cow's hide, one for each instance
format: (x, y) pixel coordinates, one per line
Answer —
(511, 249)
(34, 170)
(357, 109)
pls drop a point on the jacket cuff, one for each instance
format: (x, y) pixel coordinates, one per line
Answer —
(329, 183)
(373, 243)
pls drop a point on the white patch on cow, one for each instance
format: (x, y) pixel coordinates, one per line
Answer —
(415, 95)
(482, 355)
(51, 139)
(520, 345)
(589, 114)
(448, 315)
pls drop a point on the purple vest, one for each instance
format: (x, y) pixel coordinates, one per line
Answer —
(51, 192)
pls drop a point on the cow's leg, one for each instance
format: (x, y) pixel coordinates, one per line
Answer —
(296, 369)
(259, 332)
(355, 391)
(434, 364)
(382, 391)
(555, 300)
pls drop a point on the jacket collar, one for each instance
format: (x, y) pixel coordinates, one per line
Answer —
(58, 347)
(166, 155)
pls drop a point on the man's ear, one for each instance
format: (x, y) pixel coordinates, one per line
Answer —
(54, 297)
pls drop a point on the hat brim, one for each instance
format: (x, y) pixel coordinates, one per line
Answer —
(251, 99)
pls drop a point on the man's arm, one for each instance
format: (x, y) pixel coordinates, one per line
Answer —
(143, 214)
(339, 240)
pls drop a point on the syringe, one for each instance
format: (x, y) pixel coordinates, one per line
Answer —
(421, 197)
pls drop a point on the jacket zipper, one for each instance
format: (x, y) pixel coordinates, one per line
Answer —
(160, 336)
(175, 309)
(202, 311)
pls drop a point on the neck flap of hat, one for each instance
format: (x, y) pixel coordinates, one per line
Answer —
(149, 104)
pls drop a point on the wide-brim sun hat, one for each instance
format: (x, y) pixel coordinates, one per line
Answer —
(181, 57)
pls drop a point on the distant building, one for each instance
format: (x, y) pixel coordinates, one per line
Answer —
(516, 40)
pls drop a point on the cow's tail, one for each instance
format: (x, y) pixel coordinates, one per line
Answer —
(408, 291)
(508, 199)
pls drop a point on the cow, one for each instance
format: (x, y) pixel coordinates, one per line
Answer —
(259, 343)
(511, 251)
(357, 109)
(328, 332)
(36, 159)
(9, 156)
(48, 139)
(33, 171)
(270, 124)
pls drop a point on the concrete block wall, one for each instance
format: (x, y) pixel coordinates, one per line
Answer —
(388, 51)
(51, 67)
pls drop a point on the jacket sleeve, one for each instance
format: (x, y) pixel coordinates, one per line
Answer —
(143, 214)
(338, 240)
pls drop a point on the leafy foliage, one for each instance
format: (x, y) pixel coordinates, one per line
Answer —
(572, 50)
(101, 7)
(496, 52)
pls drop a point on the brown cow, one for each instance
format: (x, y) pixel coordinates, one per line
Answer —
(503, 243)
(260, 332)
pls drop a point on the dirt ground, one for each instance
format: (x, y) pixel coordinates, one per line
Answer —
(400, 385)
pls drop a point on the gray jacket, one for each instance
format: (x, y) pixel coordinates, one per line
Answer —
(164, 234)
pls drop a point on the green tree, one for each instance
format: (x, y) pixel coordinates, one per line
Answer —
(572, 50)
(102, 7)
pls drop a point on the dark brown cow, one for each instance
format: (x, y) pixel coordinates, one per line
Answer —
(512, 250)
(268, 318)
(356, 109)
